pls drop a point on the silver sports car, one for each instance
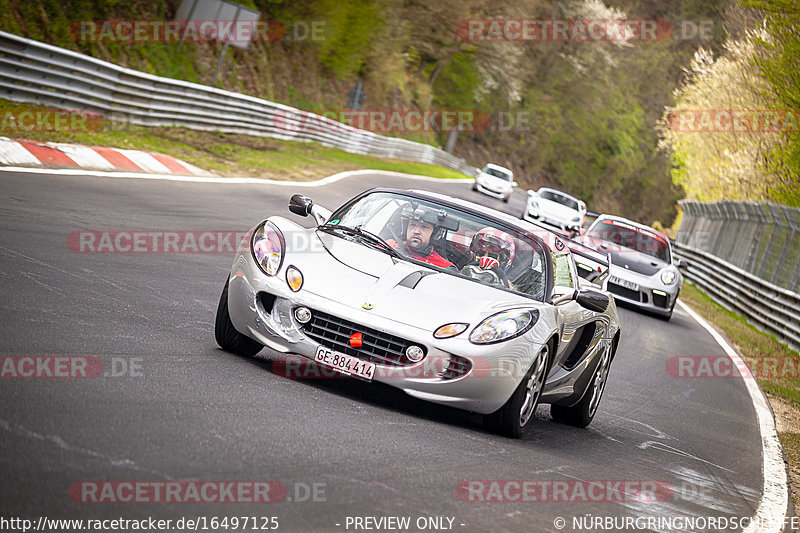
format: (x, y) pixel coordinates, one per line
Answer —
(447, 300)
(644, 273)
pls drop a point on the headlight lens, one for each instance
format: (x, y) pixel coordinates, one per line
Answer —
(450, 330)
(667, 277)
(503, 326)
(268, 246)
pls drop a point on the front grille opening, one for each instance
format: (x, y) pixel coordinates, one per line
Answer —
(457, 366)
(376, 346)
(267, 301)
(625, 292)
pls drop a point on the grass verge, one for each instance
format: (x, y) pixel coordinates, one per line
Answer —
(222, 153)
(776, 367)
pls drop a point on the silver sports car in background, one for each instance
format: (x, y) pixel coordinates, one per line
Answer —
(644, 272)
(449, 301)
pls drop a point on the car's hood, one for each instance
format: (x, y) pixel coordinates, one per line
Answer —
(494, 180)
(626, 258)
(556, 209)
(362, 278)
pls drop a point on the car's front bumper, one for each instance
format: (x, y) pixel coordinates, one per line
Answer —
(494, 192)
(496, 369)
(536, 215)
(652, 297)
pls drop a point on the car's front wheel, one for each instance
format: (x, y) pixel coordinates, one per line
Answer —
(582, 413)
(227, 337)
(517, 413)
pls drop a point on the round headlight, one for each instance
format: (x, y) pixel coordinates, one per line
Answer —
(667, 277)
(294, 278)
(503, 326)
(268, 247)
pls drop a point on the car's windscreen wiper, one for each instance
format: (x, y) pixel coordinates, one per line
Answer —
(367, 236)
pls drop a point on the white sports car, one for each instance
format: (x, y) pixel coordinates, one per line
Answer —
(556, 208)
(495, 181)
(644, 273)
(449, 301)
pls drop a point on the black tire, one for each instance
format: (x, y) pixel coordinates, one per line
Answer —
(227, 337)
(474, 187)
(514, 417)
(506, 199)
(582, 413)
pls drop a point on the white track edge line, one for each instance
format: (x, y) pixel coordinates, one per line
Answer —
(215, 179)
(771, 512)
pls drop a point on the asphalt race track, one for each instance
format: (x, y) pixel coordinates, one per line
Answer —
(171, 406)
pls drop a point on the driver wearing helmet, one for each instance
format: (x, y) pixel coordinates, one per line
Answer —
(422, 226)
(492, 254)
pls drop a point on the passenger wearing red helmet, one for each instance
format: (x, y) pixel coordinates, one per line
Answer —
(492, 254)
(422, 226)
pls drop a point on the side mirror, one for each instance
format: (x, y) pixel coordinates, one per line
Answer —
(514, 183)
(679, 262)
(300, 205)
(593, 300)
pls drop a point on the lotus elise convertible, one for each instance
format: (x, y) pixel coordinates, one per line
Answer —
(449, 301)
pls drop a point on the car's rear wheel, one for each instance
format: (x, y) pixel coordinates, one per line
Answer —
(517, 413)
(227, 337)
(474, 186)
(582, 413)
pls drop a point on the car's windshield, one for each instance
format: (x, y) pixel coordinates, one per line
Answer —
(559, 198)
(447, 239)
(628, 236)
(498, 173)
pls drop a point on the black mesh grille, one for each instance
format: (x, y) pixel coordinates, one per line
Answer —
(660, 300)
(376, 347)
(619, 290)
(456, 367)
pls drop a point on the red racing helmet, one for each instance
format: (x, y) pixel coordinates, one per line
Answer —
(492, 247)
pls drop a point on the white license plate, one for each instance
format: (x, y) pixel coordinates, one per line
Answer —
(345, 364)
(624, 282)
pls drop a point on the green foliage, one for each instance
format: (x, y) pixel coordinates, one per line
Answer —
(779, 65)
(454, 88)
(349, 30)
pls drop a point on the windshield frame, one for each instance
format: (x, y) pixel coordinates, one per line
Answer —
(518, 231)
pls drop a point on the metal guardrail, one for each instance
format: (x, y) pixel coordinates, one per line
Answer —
(31, 71)
(761, 238)
(770, 308)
